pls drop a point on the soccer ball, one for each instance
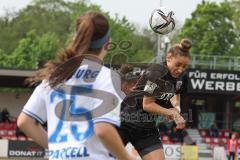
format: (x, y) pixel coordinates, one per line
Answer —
(162, 20)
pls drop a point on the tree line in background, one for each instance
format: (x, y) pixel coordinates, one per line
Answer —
(36, 33)
(214, 28)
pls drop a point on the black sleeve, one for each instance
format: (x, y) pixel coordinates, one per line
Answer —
(181, 85)
(151, 83)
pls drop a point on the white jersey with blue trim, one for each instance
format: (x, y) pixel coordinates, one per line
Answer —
(66, 110)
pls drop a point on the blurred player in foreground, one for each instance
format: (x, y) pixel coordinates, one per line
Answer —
(78, 99)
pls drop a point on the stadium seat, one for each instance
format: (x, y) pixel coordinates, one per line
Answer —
(215, 140)
(13, 126)
(11, 132)
(203, 133)
(3, 133)
(22, 138)
(3, 130)
(224, 140)
(208, 140)
(1, 126)
(165, 138)
(212, 145)
(13, 138)
(226, 133)
(220, 133)
(166, 142)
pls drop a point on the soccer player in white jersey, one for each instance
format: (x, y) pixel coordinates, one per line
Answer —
(77, 98)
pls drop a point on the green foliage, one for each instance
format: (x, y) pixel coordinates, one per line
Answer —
(41, 48)
(47, 46)
(3, 59)
(34, 34)
(16, 90)
(30, 51)
(38, 16)
(23, 56)
(235, 4)
(141, 45)
(211, 29)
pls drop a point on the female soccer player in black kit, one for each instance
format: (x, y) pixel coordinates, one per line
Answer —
(156, 93)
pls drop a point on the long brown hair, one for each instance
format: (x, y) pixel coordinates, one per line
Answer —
(181, 49)
(90, 26)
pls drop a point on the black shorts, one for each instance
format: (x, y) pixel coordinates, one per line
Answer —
(144, 140)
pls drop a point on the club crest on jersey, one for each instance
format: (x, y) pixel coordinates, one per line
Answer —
(150, 87)
(179, 85)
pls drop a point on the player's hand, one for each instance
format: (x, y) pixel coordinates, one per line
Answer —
(174, 109)
(171, 116)
(181, 123)
(179, 120)
(172, 113)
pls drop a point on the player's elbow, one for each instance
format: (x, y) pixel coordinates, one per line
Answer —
(100, 133)
(102, 130)
(146, 107)
(21, 121)
(147, 104)
(24, 121)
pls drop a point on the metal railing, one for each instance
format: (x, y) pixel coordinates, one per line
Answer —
(231, 63)
(215, 62)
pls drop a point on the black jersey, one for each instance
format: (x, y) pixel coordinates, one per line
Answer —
(155, 82)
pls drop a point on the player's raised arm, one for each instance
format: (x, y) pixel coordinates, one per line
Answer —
(156, 93)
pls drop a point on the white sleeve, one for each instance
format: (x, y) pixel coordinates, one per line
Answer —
(36, 106)
(113, 117)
